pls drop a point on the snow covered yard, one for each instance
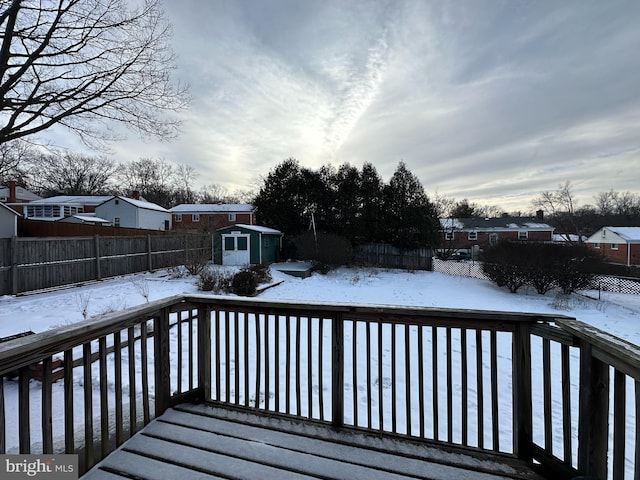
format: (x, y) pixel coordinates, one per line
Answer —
(617, 314)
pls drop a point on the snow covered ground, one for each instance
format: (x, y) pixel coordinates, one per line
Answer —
(618, 314)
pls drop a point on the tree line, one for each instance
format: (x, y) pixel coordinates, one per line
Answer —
(353, 203)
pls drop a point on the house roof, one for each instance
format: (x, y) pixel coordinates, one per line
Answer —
(495, 224)
(630, 234)
(255, 228)
(89, 218)
(2, 205)
(92, 200)
(140, 203)
(213, 208)
(22, 194)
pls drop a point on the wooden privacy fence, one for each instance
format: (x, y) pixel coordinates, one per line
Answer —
(546, 389)
(388, 256)
(28, 264)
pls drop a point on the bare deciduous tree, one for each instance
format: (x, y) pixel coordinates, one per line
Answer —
(13, 155)
(71, 174)
(562, 205)
(84, 64)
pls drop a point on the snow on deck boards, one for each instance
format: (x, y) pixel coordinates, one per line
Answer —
(205, 442)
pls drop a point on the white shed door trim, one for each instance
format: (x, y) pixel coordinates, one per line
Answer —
(236, 249)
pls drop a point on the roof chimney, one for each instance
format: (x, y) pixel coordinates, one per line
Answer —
(136, 194)
(12, 192)
(540, 214)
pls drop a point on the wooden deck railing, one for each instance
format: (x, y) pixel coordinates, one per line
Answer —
(546, 389)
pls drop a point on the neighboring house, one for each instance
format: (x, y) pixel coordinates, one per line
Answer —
(8, 222)
(212, 216)
(617, 244)
(466, 233)
(14, 195)
(132, 213)
(62, 206)
(247, 244)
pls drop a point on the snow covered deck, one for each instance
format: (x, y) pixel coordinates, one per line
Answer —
(206, 442)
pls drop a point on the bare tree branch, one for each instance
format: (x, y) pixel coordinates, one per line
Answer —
(84, 64)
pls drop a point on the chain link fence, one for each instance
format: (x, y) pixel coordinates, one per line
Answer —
(463, 268)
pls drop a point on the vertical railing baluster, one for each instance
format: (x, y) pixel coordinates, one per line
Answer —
(495, 420)
(354, 355)
(227, 356)
(337, 371)
(267, 363)
(276, 355)
(566, 406)
(298, 373)
(69, 430)
(117, 361)
(619, 418)
(394, 392)
(321, 367)
(133, 410)
(3, 420)
(421, 379)
(258, 359)
(218, 395)
(192, 354)
(88, 406)
(161, 375)
(636, 475)
(465, 392)
(407, 376)
(104, 398)
(47, 406)
(380, 382)
(245, 365)
(180, 352)
(368, 361)
(309, 369)
(434, 381)
(449, 353)
(287, 365)
(480, 388)
(546, 387)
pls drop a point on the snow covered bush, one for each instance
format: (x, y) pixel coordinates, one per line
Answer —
(216, 281)
(244, 283)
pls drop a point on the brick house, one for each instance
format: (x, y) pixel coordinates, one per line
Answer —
(212, 216)
(14, 196)
(617, 244)
(467, 233)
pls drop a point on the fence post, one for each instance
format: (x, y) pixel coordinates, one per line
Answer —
(14, 265)
(593, 420)
(97, 250)
(337, 370)
(522, 395)
(149, 260)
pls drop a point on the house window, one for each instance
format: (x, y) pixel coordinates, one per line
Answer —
(493, 238)
(195, 217)
(473, 236)
(448, 235)
(614, 246)
(116, 221)
(596, 245)
(523, 235)
(232, 217)
(178, 217)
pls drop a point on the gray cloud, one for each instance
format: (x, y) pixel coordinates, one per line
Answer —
(490, 100)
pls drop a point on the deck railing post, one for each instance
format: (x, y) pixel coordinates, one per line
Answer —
(522, 395)
(337, 370)
(593, 420)
(204, 352)
(161, 362)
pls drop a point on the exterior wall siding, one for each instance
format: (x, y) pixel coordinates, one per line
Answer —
(211, 221)
(461, 238)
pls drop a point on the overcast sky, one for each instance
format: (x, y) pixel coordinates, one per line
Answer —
(494, 101)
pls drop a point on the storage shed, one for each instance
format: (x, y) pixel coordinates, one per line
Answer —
(247, 244)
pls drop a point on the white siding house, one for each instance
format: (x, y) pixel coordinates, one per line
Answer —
(8, 222)
(131, 213)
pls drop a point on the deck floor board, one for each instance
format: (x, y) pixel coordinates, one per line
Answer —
(196, 441)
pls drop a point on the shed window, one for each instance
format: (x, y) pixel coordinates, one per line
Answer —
(228, 243)
(473, 235)
(242, 243)
(523, 235)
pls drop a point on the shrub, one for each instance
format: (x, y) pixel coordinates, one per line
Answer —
(244, 283)
(215, 281)
(262, 271)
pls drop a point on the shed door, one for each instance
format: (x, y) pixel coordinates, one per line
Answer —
(236, 249)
